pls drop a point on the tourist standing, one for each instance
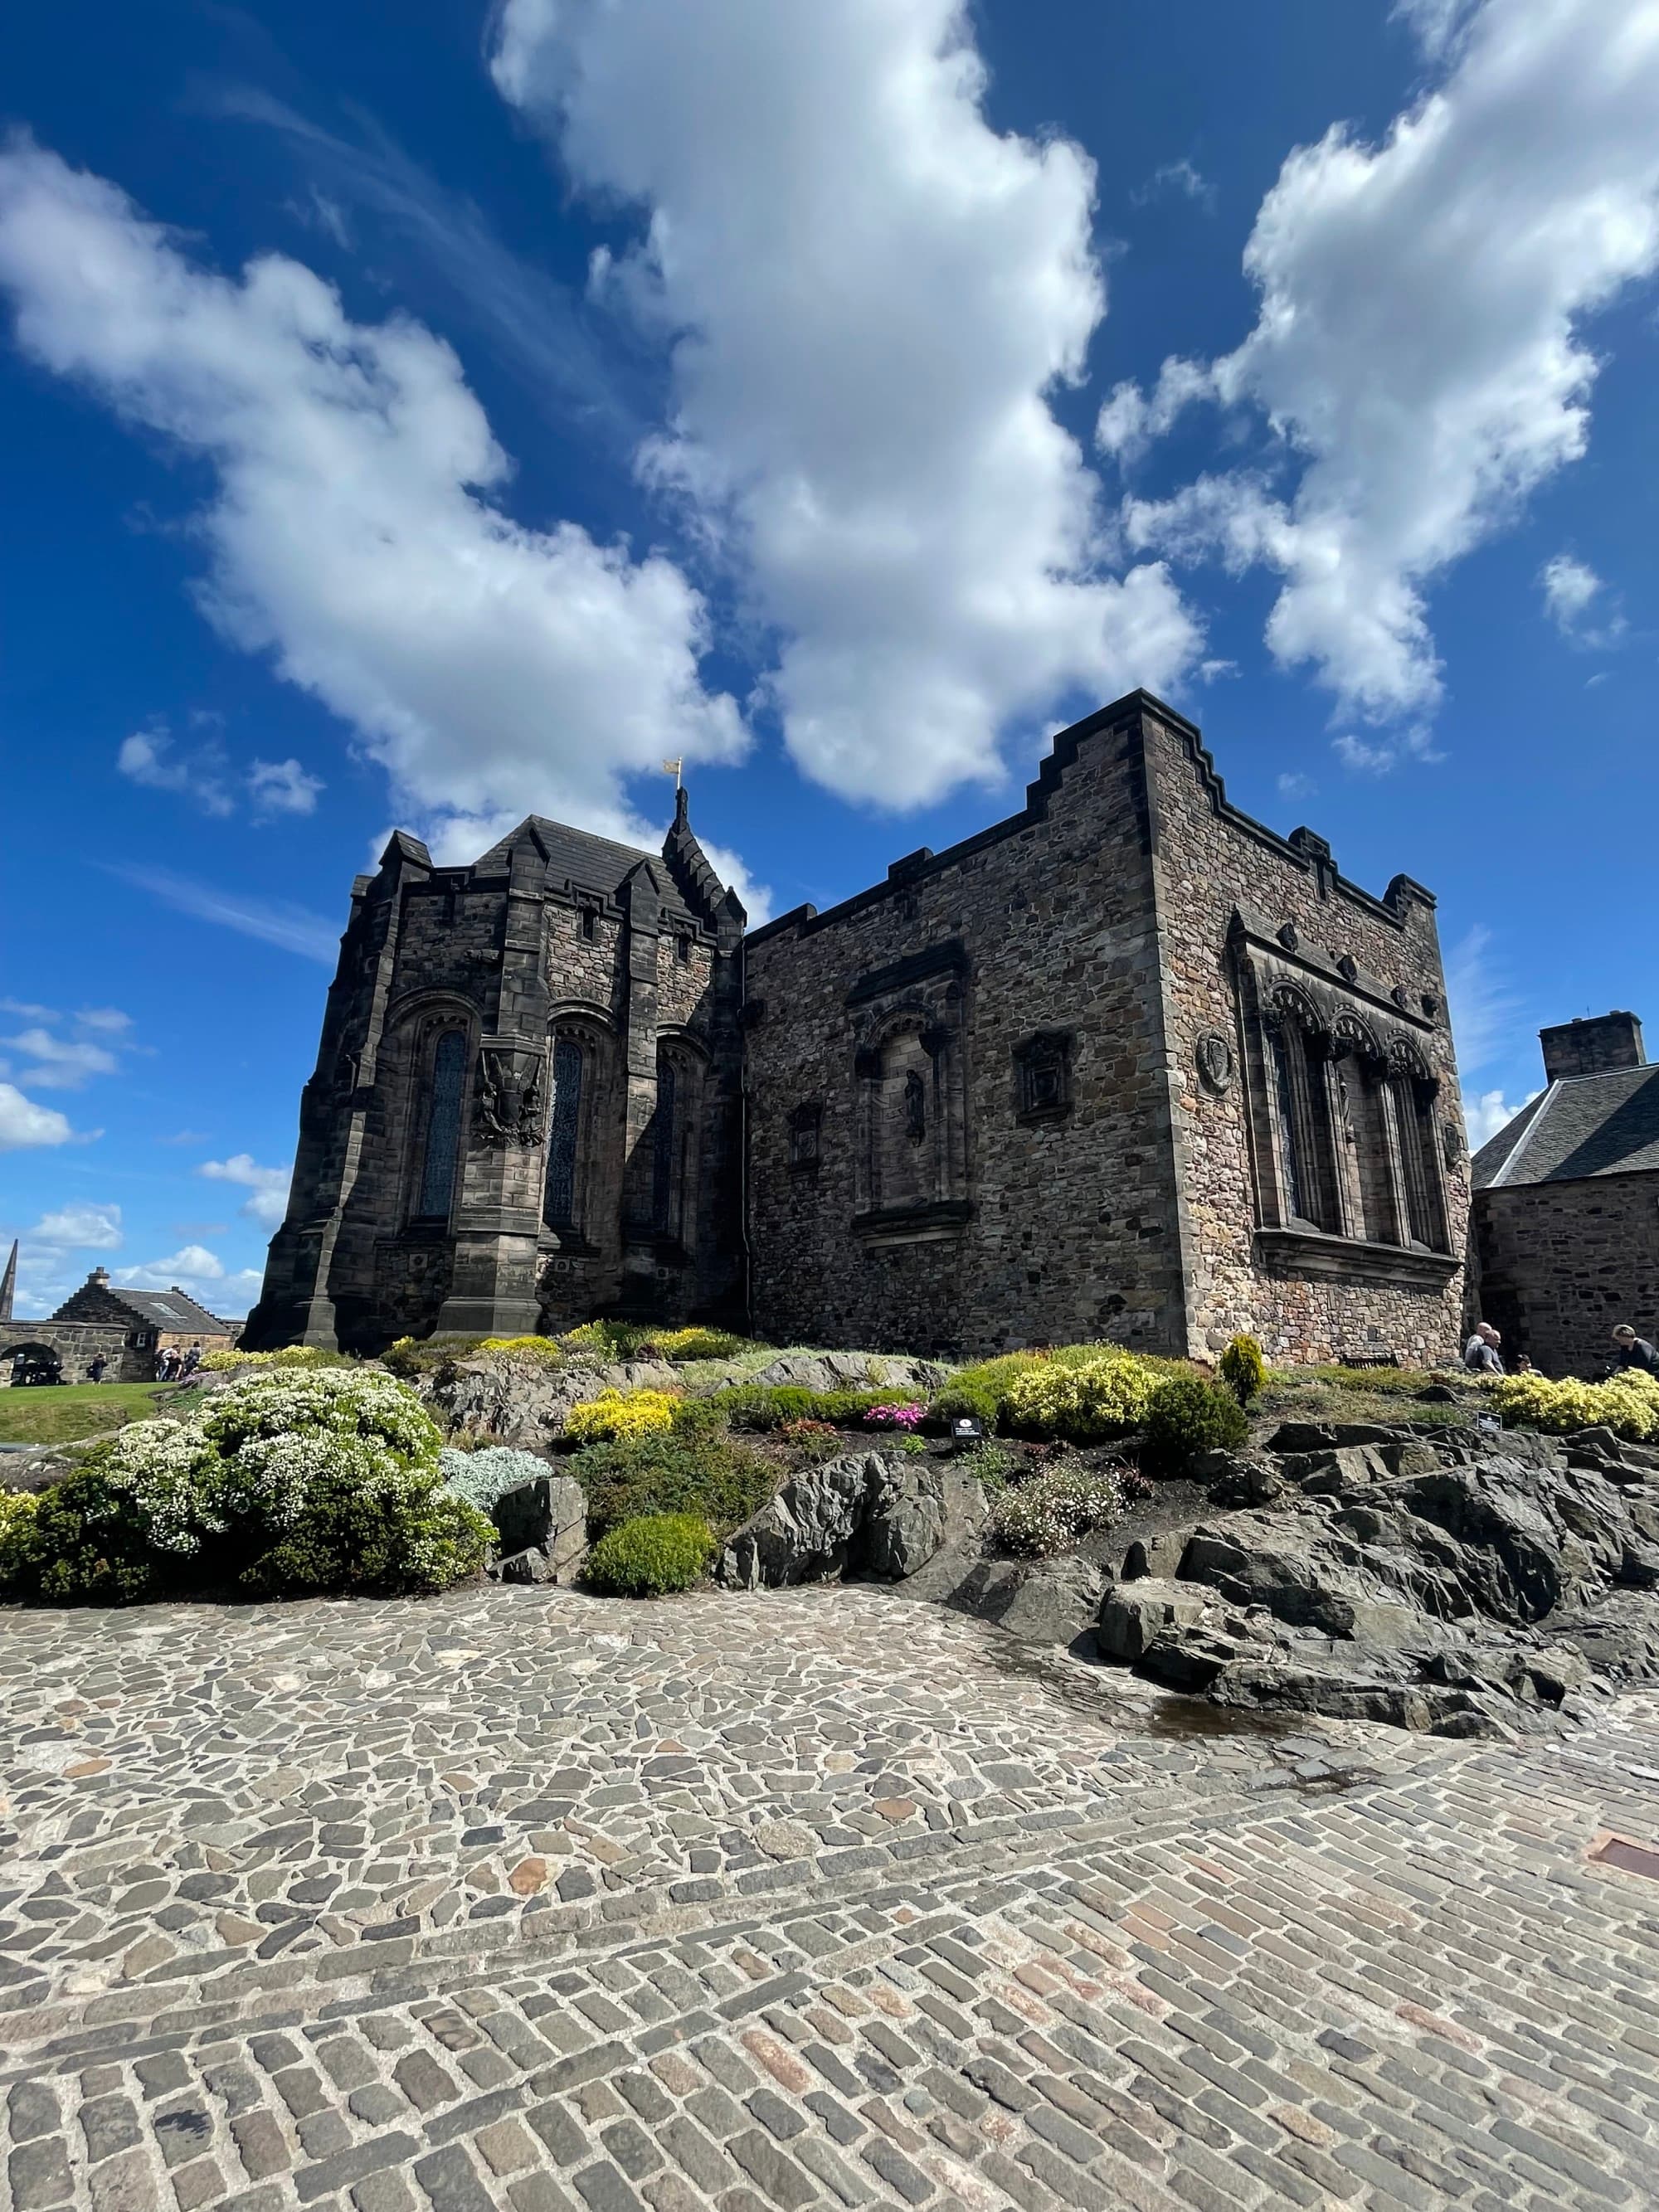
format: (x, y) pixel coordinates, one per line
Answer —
(1480, 1353)
(1630, 1350)
(192, 1360)
(96, 1370)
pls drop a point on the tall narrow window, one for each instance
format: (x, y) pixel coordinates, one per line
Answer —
(564, 1133)
(664, 1151)
(1426, 1220)
(1298, 1198)
(443, 1127)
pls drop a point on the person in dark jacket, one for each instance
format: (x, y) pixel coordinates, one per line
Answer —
(1480, 1353)
(1630, 1351)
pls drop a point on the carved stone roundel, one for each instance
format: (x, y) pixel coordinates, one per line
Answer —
(1215, 1060)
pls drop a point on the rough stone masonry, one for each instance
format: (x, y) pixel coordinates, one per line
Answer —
(1127, 1064)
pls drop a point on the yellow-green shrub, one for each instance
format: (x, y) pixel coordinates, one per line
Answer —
(288, 1355)
(1243, 1368)
(1080, 1405)
(652, 1556)
(524, 1347)
(1627, 1405)
(615, 1416)
(17, 1511)
(694, 1344)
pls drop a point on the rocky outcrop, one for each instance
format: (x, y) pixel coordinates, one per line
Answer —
(525, 1402)
(861, 1514)
(1399, 1579)
(543, 1531)
(853, 1371)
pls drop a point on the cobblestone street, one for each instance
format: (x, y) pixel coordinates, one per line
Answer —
(811, 1898)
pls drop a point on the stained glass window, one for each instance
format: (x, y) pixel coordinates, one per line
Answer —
(664, 1147)
(443, 1127)
(562, 1134)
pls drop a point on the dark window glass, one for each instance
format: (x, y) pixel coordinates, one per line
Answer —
(443, 1127)
(1295, 1193)
(563, 1133)
(663, 1146)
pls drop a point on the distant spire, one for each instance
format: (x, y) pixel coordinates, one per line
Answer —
(8, 1284)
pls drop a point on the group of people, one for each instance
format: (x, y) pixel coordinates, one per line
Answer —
(173, 1365)
(1484, 1353)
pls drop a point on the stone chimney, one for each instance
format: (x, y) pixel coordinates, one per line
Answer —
(99, 1275)
(1592, 1046)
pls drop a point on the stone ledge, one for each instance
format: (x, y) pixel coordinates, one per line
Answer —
(909, 1224)
(1345, 1259)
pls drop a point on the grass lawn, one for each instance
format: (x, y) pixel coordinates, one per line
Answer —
(49, 1416)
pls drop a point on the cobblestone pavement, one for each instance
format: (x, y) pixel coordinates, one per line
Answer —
(521, 1899)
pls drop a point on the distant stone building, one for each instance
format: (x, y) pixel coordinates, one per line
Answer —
(1565, 1230)
(131, 1329)
(1127, 1064)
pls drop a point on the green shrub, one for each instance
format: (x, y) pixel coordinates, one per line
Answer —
(286, 1355)
(1244, 1369)
(412, 1356)
(607, 1341)
(959, 1400)
(991, 1465)
(348, 1537)
(1187, 1417)
(651, 1556)
(1056, 1508)
(694, 1344)
(696, 1468)
(89, 1545)
(1080, 1405)
(763, 1406)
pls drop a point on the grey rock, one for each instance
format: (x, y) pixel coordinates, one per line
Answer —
(1159, 1553)
(549, 1517)
(905, 1524)
(1133, 1615)
(1046, 1600)
(808, 1531)
(853, 1371)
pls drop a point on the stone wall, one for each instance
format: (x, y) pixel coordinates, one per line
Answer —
(1556, 1265)
(1240, 909)
(131, 1351)
(1061, 1018)
(549, 935)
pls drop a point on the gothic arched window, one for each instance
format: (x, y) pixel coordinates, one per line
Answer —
(564, 1135)
(443, 1127)
(1412, 1091)
(1302, 1113)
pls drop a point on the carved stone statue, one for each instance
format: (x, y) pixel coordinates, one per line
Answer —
(509, 1094)
(915, 1108)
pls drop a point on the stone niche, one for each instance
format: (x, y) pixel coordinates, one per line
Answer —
(910, 1134)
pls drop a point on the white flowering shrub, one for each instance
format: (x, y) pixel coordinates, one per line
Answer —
(312, 1479)
(1055, 1509)
(481, 1477)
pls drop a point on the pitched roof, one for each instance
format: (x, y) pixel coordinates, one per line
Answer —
(170, 1309)
(576, 857)
(1582, 1126)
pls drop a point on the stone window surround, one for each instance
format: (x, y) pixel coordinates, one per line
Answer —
(421, 1023)
(1045, 1052)
(1315, 1004)
(675, 1209)
(942, 1208)
(590, 1029)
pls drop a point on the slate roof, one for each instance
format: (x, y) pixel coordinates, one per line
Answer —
(1582, 1126)
(576, 857)
(168, 1310)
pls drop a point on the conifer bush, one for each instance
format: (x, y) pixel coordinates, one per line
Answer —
(1244, 1369)
(652, 1556)
(1187, 1417)
(1082, 1405)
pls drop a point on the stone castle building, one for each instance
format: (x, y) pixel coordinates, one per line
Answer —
(1127, 1064)
(1564, 1239)
(127, 1327)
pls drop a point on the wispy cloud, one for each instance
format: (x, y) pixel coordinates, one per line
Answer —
(85, 1228)
(1482, 1005)
(1175, 180)
(269, 1186)
(540, 328)
(273, 921)
(1571, 591)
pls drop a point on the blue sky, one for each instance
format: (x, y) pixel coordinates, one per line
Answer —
(418, 415)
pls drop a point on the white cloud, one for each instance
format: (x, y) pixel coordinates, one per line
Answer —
(109, 1021)
(85, 1228)
(283, 788)
(269, 1186)
(1296, 786)
(1436, 24)
(191, 1260)
(1570, 589)
(61, 1063)
(1418, 353)
(353, 534)
(24, 1123)
(872, 294)
(143, 759)
(1487, 1112)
